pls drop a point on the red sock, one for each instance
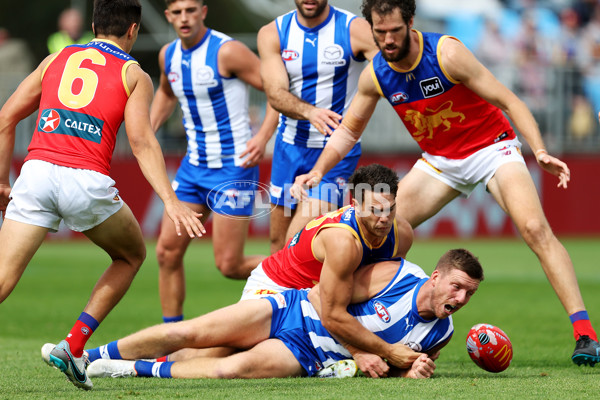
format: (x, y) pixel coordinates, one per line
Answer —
(80, 333)
(162, 359)
(583, 327)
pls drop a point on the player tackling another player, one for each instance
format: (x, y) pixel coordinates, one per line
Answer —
(430, 77)
(283, 335)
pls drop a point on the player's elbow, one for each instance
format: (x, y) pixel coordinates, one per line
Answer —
(7, 123)
(142, 144)
(332, 322)
(274, 97)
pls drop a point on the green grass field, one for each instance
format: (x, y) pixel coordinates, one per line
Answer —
(515, 296)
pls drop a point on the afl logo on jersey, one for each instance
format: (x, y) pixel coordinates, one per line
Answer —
(49, 121)
(382, 312)
(173, 77)
(289, 55)
(398, 98)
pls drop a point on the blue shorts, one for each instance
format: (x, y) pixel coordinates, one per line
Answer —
(228, 190)
(296, 324)
(289, 161)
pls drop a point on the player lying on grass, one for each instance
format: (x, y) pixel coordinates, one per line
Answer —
(457, 112)
(330, 248)
(282, 335)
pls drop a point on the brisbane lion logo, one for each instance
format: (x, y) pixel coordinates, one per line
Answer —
(426, 123)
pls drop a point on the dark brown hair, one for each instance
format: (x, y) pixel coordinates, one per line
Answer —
(114, 17)
(462, 260)
(384, 7)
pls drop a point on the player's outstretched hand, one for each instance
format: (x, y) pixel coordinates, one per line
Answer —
(371, 365)
(326, 121)
(304, 182)
(180, 214)
(4, 198)
(255, 151)
(402, 356)
(422, 368)
(555, 166)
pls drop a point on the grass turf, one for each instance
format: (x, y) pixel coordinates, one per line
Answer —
(515, 296)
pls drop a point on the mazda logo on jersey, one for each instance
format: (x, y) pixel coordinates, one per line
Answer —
(382, 312)
(71, 123)
(431, 87)
(205, 77)
(333, 55)
(289, 55)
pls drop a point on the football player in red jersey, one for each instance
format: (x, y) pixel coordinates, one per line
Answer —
(453, 106)
(282, 335)
(83, 94)
(330, 248)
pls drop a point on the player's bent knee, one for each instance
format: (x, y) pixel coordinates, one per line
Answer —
(226, 368)
(232, 269)
(134, 258)
(169, 257)
(536, 231)
(277, 243)
(138, 256)
(182, 334)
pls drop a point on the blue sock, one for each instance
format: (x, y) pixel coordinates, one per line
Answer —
(176, 318)
(578, 316)
(107, 351)
(153, 369)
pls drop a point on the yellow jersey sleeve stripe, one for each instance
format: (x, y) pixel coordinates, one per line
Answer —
(47, 65)
(439, 57)
(124, 75)
(334, 225)
(375, 80)
(396, 239)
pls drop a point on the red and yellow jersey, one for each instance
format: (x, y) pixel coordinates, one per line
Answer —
(443, 116)
(84, 93)
(295, 266)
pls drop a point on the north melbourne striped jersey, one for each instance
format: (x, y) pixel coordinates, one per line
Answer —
(392, 315)
(215, 108)
(322, 70)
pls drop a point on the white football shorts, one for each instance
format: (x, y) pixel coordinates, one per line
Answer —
(259, 285)
(46, 193)
(465, 174)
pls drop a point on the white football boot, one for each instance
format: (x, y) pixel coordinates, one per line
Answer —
(111, 369)
(339, 369)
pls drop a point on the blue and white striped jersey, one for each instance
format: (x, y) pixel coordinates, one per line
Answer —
(392, 315)
(215, 108)
(321, 67)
